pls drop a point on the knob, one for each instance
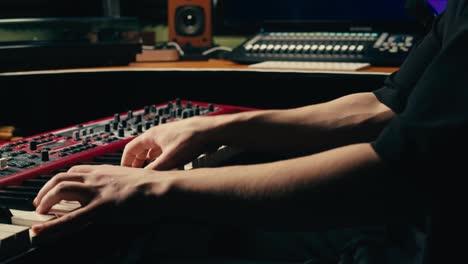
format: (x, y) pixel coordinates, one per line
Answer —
(45, 155)
(153, 109)
(116, 118)
(197, 110)
(163, 120)
(3, 163)
(146, 110)
(123, 123)
(179, 111)
(76, 135)
(107, 128)
(174, 113)
(84, 132)
(161, 111)
(189, 104)
(90, 131)
(211, 107)
(32, 145)
(139, 128)
(138, 119)
(148, 125)
(170, 105)
(156, 121)
(129, 114)
(115, 125)
(185, 114)
(121, 132)
(178, 102)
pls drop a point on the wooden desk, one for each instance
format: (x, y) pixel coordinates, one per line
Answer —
(212, 64)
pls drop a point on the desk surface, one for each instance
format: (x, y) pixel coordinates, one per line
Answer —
(212, 64)
(220, 64)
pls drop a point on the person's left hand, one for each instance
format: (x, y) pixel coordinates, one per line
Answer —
(107, 193)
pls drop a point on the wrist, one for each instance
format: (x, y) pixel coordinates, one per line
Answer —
(231, 129)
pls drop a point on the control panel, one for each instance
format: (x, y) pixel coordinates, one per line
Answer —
(378, 49)
(41, 154)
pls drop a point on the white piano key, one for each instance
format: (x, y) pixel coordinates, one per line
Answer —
(29, 218)
(13, 239)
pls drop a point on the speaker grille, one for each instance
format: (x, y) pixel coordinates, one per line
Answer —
(190, 21)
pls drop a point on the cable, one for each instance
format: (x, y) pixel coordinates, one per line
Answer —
(177, 46)
(208, 51)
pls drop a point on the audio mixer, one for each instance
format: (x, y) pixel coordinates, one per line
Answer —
(27, 164)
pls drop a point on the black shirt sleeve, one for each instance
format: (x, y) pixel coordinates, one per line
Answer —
(434, 122)
(399, 85)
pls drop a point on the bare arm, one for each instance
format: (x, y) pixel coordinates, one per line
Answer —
(350, 119)
(337, 187)
(340, 187)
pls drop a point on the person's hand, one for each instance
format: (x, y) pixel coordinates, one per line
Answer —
(171, 145)
(111, 194)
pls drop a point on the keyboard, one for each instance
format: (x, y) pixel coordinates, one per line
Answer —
(375, 48)
(26, 165)
(316, 66)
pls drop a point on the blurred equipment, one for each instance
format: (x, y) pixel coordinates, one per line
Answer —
(378, 49)
(364, 31)
(6, 133)
(53, 43)
(158, 55)
(111, 8)
(190, 24)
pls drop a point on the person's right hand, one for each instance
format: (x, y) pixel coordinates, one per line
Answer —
(171, 145)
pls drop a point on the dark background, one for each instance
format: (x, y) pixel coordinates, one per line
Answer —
(39, 103)
(42, 102)
(238, 16)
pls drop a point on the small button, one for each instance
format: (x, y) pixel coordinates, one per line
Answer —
(45, 155)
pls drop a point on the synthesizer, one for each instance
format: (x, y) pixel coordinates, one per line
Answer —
(27, 164)
(375, 48)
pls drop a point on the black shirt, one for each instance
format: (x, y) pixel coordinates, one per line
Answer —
(430, 96)
(426, 142)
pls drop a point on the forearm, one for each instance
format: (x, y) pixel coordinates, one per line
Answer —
(350, 119)
(336, 187)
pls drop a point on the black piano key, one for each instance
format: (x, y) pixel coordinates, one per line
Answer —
(32, 189)
(30, 195)
(16, 203)
(112, 161)
(46, 177)
(38, 182)
(98, 163)
(5, 215)
(112, 158)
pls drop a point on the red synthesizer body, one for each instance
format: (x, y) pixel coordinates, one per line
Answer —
(50, 152)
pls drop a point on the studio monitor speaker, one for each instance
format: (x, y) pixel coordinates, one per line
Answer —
(190, 22)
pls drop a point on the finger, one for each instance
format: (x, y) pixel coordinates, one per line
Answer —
(61, 177)
(164, 162)
(70, 191)
(67, 223)
(132, 150)
(153, 154)
(82, 169)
